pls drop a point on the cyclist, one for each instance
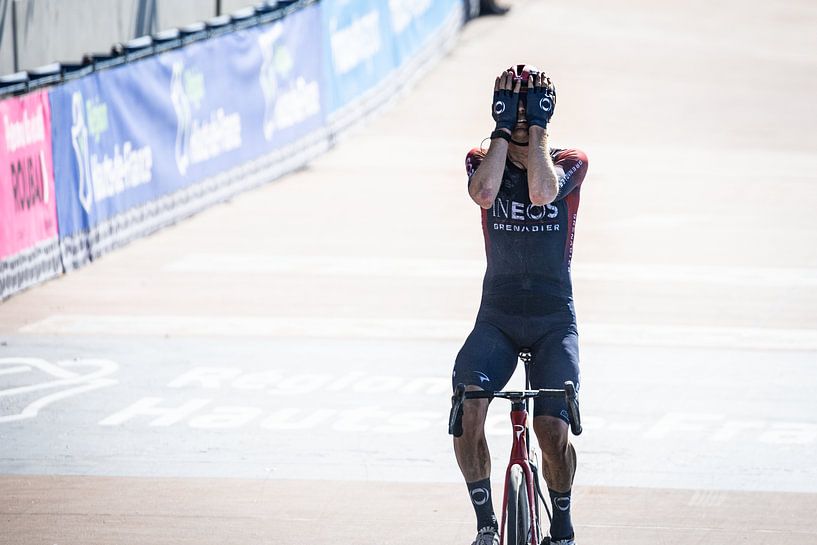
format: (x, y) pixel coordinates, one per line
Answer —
(529, 195)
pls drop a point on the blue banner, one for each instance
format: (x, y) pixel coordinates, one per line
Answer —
(129, 135)
(147, 143)
(414, 22)
(358, 48)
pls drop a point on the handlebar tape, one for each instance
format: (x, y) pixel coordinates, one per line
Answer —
(573, 408)
(455, 417)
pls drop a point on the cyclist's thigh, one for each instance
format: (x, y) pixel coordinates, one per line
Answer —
(555, 360)
(487, 359)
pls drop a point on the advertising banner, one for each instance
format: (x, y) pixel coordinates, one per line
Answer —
(28, 215)
(373, 48)
(358, 49)
(147, 143)
(291, 78)
(415, 22)
(142, 145)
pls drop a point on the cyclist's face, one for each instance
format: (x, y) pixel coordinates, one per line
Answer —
(521, 116)
(520, 130)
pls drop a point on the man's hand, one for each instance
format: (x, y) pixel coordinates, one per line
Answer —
(506, 101)
(541, 100)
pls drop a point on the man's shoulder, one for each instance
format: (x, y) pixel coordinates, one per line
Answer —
(473, 159)
(569, 154)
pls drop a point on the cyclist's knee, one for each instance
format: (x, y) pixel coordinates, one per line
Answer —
(552, 434)
(474, 412)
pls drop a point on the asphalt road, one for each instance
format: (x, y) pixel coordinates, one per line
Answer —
(276, 369)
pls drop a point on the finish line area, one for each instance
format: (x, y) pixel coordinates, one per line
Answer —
(277, 368)
(187, 440)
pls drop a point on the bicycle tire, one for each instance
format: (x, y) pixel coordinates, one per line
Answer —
(518, 522)
(540, 504)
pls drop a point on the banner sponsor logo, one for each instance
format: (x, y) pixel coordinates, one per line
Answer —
(79, 143)
(288, 100)
(29, 182)
(103, 175)
(27, 131)
(27, 205)
(403, 12)
(355, 43)
(358, 51)
(199, 139)
(415, 23)
(28, 171)
(365, 41)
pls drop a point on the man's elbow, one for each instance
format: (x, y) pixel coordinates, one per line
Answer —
(484, 199)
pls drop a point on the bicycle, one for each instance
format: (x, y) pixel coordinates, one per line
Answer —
(522, 491)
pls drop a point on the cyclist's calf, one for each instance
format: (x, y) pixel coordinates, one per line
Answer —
(558, 454)
(471, 447)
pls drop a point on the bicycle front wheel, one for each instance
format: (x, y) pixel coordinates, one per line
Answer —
(518, 525)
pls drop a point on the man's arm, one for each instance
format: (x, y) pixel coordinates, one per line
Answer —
(484, 183)
(543, 181)
(573, 164)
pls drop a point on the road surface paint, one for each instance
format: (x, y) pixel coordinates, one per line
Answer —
(428, 329)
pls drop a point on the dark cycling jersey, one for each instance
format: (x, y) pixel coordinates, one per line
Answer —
(527, 295)
(528, 248)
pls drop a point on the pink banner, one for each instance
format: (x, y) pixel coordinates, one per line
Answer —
(28, 210)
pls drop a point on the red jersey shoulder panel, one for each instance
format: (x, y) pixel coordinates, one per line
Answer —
(472, 161)
(574, 164)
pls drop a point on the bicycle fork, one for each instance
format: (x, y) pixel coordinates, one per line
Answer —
(519, 456)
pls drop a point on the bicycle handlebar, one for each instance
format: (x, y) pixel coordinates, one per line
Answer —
(572, 400)
(518, 395)
(569, 393)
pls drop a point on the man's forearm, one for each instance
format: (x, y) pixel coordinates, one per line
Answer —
(485, 182)
(543, 182)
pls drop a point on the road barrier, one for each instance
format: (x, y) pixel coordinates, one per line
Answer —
(164, 132)
(29, 252)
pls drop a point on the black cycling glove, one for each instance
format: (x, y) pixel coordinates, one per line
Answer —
(504, 108)
(541, 103)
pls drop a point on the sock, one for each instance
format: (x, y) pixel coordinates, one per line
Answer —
(480, 493)
(561, 527)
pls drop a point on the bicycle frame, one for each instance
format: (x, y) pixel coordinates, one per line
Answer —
(520, 449)
(519, 456)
